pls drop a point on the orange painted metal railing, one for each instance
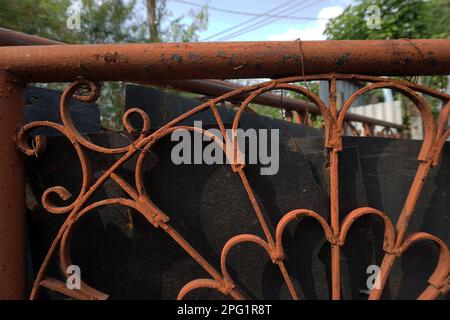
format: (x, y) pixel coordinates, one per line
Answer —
(85, 65)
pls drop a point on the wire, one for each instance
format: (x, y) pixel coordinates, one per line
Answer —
(302, 60)
(255, 25)
(261, 24)
(247, 21)
(243, 13)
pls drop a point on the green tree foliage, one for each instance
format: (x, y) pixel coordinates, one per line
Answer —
(45, 18)
(111, 21)
(102, 21)
(412, 19)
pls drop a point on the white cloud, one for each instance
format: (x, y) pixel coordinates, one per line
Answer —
(329, 12)
(309, 33)
(314, 33)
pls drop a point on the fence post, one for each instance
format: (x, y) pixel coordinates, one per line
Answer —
(12, 190)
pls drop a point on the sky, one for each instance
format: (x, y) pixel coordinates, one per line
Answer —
(307, 18)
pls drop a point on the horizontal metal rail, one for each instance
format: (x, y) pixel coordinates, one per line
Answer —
(10, 37)
(163, 61)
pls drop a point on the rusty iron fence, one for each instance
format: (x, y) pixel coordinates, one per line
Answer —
(287, 63)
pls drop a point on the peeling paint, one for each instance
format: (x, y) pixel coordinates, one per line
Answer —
(111, 58)
(177, 57)
(342, 59)
(193, 57)
(222, 54)
(431, 59)
(288, 57)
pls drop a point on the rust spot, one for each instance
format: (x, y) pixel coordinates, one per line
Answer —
(408, 60)
(431, 59)
(222, 54)
(288, 57)
(195, 58)
(111, 58)
(83, 66)
(342, 59)
(177, 57)
(234, 59)
(149, 68)
(123, 59)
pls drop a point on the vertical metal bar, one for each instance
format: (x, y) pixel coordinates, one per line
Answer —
(12, 199)
(411, 201)
(334, 204)
(334, 208)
